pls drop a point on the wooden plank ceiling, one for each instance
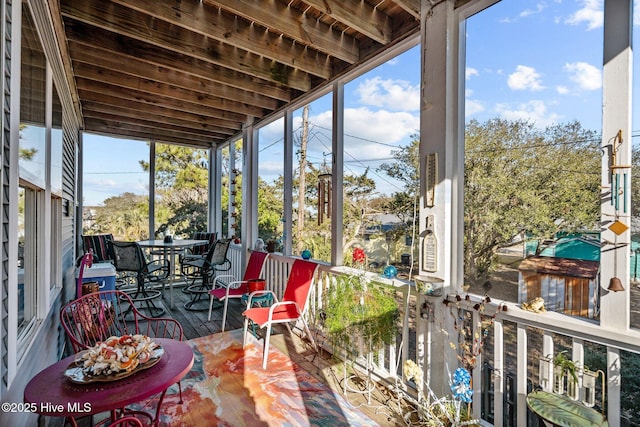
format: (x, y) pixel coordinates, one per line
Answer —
(195, 72)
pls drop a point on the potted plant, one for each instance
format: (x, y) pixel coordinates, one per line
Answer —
(565, 374)
(271, 245)
(358, 311)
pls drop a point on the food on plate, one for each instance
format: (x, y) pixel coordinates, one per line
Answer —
(116, 355)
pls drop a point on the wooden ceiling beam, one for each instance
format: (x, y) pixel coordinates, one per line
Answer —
(410, 6)
(160, 112)
(142, 123)
(213, 53)
(127, 131)
(223, 25)
(123, 81)
(127, 49)
(360, 16)
(124, 21)
(139, 98)
(102, 59)
(277, 17)
(165, 115)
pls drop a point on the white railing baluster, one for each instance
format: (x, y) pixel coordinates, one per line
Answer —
(498, 371)
(477, 370)
(521, 375)
(613, 386)
(547, 351)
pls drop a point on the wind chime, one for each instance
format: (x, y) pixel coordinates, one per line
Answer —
(618, 177)
(232, 197)
(324, 197)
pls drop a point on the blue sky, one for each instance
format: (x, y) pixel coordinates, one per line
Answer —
(534, 60)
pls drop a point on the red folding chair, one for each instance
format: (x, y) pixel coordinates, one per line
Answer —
(292, 307)
(236, 288)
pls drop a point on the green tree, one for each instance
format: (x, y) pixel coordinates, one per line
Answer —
(270, 209)
(518, 179)
(126, 216)
(179, 167)
(406, 166)
(522, 179)
(406, 169)
(182, 189)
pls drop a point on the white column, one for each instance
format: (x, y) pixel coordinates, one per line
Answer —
(337, 138)
(232, 187)
(250, 185)
(441, 124)
(152, 189)
(288, 183)
(616, 120)
(215, 190)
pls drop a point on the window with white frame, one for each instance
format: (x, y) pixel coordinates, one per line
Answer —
(32, 170)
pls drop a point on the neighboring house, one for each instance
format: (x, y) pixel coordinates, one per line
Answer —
(565, 273)
(569, 286)
(381, 243)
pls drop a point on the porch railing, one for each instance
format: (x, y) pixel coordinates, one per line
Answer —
(514, 340)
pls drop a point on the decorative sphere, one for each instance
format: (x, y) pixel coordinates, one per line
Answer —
(390, 272)
(306, 254)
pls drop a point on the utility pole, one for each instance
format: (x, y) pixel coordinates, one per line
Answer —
(302, 179)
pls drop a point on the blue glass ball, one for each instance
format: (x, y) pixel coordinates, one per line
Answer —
(390, 272)
(306, 254)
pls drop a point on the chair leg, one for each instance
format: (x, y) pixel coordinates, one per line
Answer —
(308, 332)
(211, 308)
(265, 351)
(246, 326)
(224, 313)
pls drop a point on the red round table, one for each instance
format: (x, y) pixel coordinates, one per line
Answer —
(52, 394)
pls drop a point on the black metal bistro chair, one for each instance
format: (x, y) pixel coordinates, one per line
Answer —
(202, 272)
(129, 257)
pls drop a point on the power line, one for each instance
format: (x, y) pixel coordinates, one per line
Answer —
(362, 139)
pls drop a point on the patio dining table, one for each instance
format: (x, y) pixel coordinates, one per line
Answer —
(51, 393)
(171, 249)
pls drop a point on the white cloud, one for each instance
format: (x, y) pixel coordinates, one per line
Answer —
(398, 95)
(534, 111)
(470, 72)
(472, 106)
(562, 90)
(591, 13)
(371, 127)
(539, 8)
(636, 12)
(586, 76)
(525, 78)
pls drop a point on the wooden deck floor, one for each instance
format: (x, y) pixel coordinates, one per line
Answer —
(322, 365)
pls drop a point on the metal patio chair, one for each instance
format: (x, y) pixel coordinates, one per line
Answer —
(129, 257)
(223, 291)
(291, 309)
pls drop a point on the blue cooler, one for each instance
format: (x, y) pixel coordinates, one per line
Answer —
(104, 273)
